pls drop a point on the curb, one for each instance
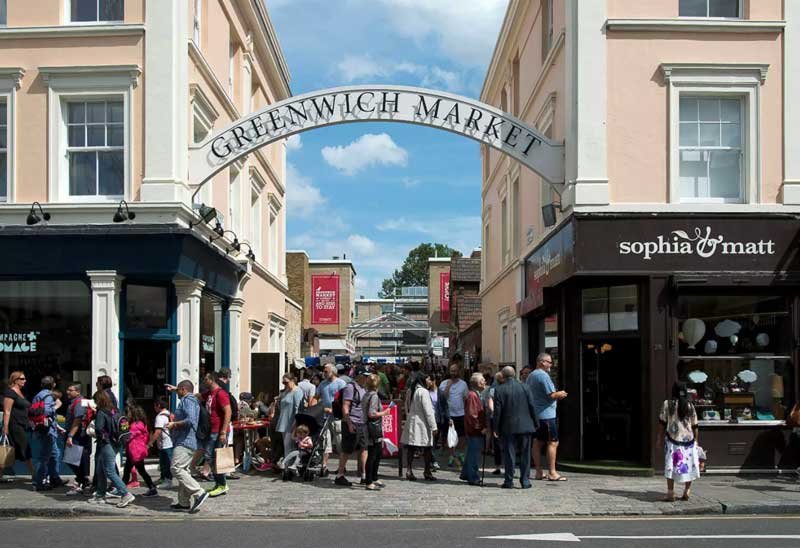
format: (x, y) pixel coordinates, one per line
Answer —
(736, 508)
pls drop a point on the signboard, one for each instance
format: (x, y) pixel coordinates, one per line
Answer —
(18, 343)
(325, 299)
(391, 433)
(444, 296)
(550, 264)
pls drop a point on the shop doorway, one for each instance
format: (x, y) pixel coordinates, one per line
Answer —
(611, 386)
(148, 366)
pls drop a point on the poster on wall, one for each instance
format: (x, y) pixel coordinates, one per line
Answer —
(325, 299)
(444, 296)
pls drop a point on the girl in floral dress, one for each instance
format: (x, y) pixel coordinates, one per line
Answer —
(678, 427)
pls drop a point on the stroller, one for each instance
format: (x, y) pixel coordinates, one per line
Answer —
(314, 418)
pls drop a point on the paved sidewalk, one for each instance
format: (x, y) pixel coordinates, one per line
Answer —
(583, 495)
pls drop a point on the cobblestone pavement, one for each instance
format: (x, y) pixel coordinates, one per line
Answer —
(583, 495)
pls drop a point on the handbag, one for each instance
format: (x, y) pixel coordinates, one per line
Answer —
(223, 460)
(374, 428)
(7, 456)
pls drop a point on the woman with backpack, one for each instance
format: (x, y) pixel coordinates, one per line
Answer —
(136, 450)
(678, 429)
(107, 427)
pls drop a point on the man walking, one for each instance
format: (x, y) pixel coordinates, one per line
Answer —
(455, 391)
(545, 399)
(47, 436)
(218, 404)
(183, 432)
(515, 421)
(76, 435)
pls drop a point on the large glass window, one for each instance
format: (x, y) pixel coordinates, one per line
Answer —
(734, 350)
(146, 307)
(614, 308)
(207, 335)
(88, 11)
(96, 148)
(3, 12)
(45, 329)
(709, 8)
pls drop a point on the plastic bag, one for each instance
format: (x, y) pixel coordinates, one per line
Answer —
(452, 436)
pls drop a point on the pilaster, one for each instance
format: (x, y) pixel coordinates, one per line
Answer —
(188, 294)
(791, 107)
(235, 309)
(105, 286)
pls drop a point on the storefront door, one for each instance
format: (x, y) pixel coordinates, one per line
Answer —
(147, 369)
(612, 391)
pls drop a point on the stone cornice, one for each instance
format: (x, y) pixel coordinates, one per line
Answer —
(78, 31)
(694, 25)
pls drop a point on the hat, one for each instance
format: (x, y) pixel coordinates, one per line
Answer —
(246, 396)
(362, 370)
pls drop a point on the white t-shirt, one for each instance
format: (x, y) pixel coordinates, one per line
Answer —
(161, 422)
(455, 400)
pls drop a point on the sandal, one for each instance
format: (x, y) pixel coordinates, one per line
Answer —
(557, 478)
(539, 478)
(685, 497)
(670, 497)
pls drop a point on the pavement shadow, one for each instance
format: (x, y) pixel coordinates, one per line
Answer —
(786, 488)
(641, 496)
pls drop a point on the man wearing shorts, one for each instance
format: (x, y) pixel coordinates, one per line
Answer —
(354, 427)
(326, 392)
(545, 401)
(455, 390)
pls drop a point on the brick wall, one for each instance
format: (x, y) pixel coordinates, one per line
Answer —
(297, 274)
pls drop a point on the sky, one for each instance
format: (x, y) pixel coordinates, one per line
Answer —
(374, 191)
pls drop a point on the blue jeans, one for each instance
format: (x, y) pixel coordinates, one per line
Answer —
(470, 471)
(165, 462)
(211, 445)
(512, 444)
(49, 458)
(105, 464)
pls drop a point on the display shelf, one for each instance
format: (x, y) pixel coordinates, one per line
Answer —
(742, 423)
(737, 357)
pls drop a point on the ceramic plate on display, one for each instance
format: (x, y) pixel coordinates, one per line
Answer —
(698, 377)
(693, 331)
(747, 376)
(762, 340)
(726, 328)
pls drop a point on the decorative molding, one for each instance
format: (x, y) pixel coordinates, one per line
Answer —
(13, 74)
(77, 31)
(685, 24)
(257, 182)
(187, 289)
(736, 73)
(255, 326)
(274, 202)
(104, 71)
(689, 208)
(277, 320)
(201, 100)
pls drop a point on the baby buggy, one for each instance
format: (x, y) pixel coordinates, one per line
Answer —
(318, 423)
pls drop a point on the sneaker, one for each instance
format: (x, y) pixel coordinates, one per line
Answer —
(57, 484)
(435, 466)
(74, 492)
(379, 483)
(363, 481)
(342, 481)
(44, 487)
(451, 462)
(151, 493)
(88, 491)
(126, 500)
(96, 499)
(325, 473)
(198, 502)
(133, 485)
(233, 476)
(179, 506)
(217, 491)
(113, 494)
(263, 467)
(497, 472)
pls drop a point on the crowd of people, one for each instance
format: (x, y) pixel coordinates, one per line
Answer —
(510, 416)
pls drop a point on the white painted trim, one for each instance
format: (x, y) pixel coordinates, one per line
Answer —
(72, 30)
(718, 80)
(105, 286)
(791, 107)
(685, 24)
(10, 80)
(189, 293)
(689, 208)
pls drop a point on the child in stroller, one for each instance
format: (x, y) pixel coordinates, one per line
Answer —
(303, 446)
(316, 422)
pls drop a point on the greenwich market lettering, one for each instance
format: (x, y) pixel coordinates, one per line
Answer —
(701, 243)
(453, 113)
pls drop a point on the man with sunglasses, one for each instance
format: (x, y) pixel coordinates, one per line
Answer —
(545, 401)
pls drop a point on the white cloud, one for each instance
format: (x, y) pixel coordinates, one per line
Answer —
(461, 232)
(364, 67)
(464, 31)
(303, 198)
(366, 151)
(410, 182)
(294, 143)
(361, 245)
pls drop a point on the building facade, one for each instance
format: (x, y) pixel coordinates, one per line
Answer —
(331, 304)
(113, 271)
(670, 252)
(439, 304)
(465, 308)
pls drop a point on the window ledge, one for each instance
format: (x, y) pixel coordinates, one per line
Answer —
(694, 25)
(84, 30)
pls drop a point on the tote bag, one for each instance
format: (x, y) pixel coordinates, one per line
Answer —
(223, 460)
(7, 456)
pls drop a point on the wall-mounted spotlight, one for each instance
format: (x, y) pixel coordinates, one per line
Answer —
(122, 216)
(250, 254)
(549, 213)
(236, 245)
(33, 218)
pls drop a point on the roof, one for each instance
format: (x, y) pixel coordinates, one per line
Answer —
(465, 269)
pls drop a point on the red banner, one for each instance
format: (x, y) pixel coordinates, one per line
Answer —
(325, 299)
(444, 296)
(391, 434)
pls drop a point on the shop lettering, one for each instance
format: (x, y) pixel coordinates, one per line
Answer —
(18, 343)
(549, 262)
(701, 243)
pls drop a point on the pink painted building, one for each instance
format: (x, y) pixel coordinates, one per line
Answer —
(670, 250)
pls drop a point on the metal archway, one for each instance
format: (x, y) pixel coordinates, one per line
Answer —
(378, 103)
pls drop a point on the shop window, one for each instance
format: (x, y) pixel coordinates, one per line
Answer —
(3, 151)
(95, 11)
(197, 23)
(3, 13)
(207, 334)
(146, 307)
(96, 148)
(729, 9)
(606, 309)
(547, 27)
(735, 351)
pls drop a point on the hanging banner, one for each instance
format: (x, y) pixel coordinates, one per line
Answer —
(325, 299)
(391, 434)
(444, 296)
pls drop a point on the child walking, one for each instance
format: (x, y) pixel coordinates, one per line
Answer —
(162, 440)
(136, 450)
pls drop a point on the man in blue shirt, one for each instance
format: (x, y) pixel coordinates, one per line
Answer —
(326, 392)
(49, 453)
(184, 439)
(545, 401)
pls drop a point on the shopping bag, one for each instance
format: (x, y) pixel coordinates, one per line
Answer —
(452, 436)
(73, 455)
(7, 456)
(223, 460)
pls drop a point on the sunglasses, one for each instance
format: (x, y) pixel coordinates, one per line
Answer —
(22, 379)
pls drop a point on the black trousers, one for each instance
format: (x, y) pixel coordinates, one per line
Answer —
(427, 456)
(374, 453)
(126, 473)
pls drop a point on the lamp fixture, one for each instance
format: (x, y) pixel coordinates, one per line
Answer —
(33, 218)
(207, 214)
(250, 254)
(235, 245)
(549, 213)
(122, 216)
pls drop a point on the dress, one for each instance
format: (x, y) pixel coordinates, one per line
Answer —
(681, 459)
(18, 425)
(420, 420)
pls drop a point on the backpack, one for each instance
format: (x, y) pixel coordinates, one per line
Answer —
(234, 407)
(203, 430)
(37, 416)
(338, 400)
(120, 433)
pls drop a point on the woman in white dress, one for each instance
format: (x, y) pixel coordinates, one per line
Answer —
(678, 430)
(419, 431)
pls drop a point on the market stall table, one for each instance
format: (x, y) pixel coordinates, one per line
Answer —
(249, 428)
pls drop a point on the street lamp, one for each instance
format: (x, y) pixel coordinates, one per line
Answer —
(121, 216)
(549, 213)
(250, 255)
(33, 218)
(236, 245)
(207, 214)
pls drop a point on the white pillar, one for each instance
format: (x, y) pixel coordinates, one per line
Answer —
(218, 312)
(235, 309)
(188, 359)
(105, 325)
(791, 108)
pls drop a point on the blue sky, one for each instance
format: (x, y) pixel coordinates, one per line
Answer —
(374, 191)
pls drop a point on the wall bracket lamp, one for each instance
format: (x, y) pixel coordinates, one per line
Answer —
(33, 218)
(250, 254)
(122, 216)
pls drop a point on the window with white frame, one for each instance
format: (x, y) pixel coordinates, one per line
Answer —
(231, 68)
(505, 241)
(198, 20)
(3, 13)
(273, 240)
(547, 27)
(255, 221)
(96, 148)
(515, 219)
(731, 9)
(235, 199)
(96, 11)
(711, 148)
(485, 249)
(3, 151)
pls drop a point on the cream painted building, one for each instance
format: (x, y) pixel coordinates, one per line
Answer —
(103, 101)
(682, 159)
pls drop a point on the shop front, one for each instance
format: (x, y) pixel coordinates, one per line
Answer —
(628, 304)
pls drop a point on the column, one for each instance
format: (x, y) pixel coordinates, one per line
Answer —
(791, 107)
(188, 293)
(105, 325)
(235, 309)
(219, 349)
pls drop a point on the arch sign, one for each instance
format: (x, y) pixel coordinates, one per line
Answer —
(454, 113)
